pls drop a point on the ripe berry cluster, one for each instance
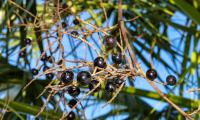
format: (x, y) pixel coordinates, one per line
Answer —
(22, 52)
(151, 74)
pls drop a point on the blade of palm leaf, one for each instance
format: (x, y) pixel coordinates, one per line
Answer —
(187, 9)
(171, 23)
(25, 108)
(184, 102)
(184, 62)
(6, 106)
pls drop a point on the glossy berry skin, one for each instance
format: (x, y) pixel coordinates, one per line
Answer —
(84, 77)
(72, 103)
(73, 91)
(76, 22)
(44, 57)
(22, 54)
(74, 33)
(49, 76)
(110, 87)
(67, 77)
(45, 68)
(117, 58)
(171, 80)
(71, 116)
(118, 82)
(151, 74)
(110, 41)
(27, 41)
(99, 62)
(93, 84)
(34, 71)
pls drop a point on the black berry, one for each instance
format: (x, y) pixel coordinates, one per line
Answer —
(67, 77)
(99, 62)
(27, 41)
(49, 76)
(72, 103)
(51, 59)
(110, 41)
(151, 74)
(64, 25)
(22, 54)
(74, 33)
(34, 71)
(71, 116)
(117, 58)
(60, 62)
(84, 77)
(171, 80)
(45, 68)
(44, 57)
(109, 87)
(93, 84)
(64, 6)
(73, 91)
(76, 22)
(118, 82)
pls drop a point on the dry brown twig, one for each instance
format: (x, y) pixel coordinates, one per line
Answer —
(123, 30)
(109, 72)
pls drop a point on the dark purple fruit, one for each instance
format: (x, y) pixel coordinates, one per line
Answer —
(73, 91)
(44, 57)
(99, 62)
(117, 58)
(72, 103)
(49, 76)
(76, 22)
(64, 25)
(110, 41)
(110, 87)
(171, 80)
(50, 59)
(93, 84)
(151, 74)
(71, 116)
(64, 6)
(22, 53)
(118, 82)
(27, 41)
(84, 77)
(67, 77)
(60, 62)
(74, 33)
(34, 71)
(45, 68)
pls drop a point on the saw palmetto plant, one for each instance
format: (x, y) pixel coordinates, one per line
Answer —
(99, 59)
